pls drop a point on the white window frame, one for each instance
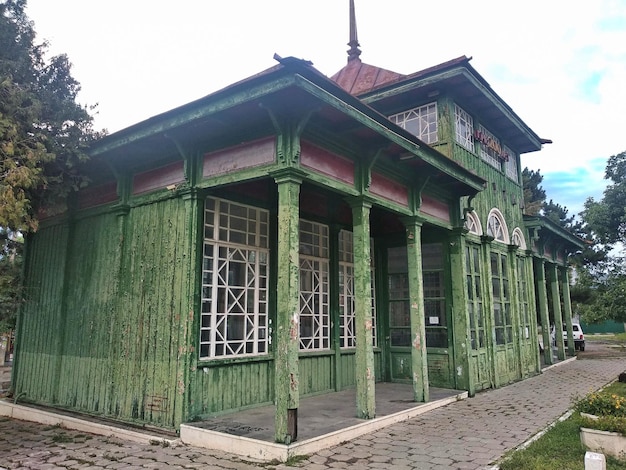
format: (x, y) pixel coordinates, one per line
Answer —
(421, 121)
(235, 276)
(496, 227)
(347, 332)
(472, 223)
(510, 165)
(487, 153)
(314, 287)
(464, 128)
(518, 238)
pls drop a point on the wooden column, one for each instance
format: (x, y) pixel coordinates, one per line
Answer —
(365, 377)
(567, 311)
(419, 360)
(532, 307)
(542, 301)
(463, 364)
(286, 374)
(556, 306)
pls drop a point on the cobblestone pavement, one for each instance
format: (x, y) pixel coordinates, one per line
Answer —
(468, 434)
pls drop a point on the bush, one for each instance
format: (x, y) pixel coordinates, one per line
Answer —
(602, 404)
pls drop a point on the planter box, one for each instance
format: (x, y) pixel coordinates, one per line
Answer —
(609, 443)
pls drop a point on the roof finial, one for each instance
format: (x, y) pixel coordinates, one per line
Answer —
(354, 52)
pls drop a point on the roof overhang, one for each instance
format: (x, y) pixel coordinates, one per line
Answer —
(291, 88)
(469, 89)
(547, 229)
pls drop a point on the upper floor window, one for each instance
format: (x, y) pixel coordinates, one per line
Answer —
(464, 125)
(490, 148)
(420, 121)
(472, 223)
(510, 166)
(518, 238)
(496, 226)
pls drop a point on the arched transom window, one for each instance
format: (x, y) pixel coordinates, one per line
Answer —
(496, 226)
(472, 223)
(518, 238)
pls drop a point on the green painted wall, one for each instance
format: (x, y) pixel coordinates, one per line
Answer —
(116, 325)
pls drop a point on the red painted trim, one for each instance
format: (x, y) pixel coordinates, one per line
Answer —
(97, 195)
(248, 155)
(159, 178)
(326, 162)
(389, 189)
(435, 208)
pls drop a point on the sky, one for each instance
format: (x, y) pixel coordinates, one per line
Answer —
(560, 65)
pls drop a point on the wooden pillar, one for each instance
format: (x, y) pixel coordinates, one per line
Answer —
(532, 308)
(556, 306)
(463, 364)
(286, 373)
(567, 310)
(542, 301)
(365, 377)
(419, 361)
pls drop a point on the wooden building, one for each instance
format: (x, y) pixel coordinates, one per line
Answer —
(289, 235)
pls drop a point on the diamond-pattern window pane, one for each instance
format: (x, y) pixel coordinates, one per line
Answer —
(489, 153)
(234, 281)
(347, 331)
(464, 128)
(314, 287)
(421, 122)
(510, 166)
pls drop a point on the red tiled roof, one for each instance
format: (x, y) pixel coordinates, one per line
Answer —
(358, 78)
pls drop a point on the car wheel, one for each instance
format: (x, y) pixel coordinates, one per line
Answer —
(582, 347)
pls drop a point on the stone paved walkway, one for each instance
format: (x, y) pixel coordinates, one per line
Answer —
(468, 434)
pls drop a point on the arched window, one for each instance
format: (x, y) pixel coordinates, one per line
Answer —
(496, 226)
(518, 238)
(472, 223)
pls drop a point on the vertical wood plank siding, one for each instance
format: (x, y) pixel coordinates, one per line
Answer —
(38, 358)
(116, 329)
(247, 384)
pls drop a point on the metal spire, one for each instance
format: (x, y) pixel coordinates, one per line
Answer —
(354, 52)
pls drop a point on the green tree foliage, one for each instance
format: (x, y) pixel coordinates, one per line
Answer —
(600, 292)
(44, 135)
(10, 285)
(534, 194)
(606, 218)
(44, 132)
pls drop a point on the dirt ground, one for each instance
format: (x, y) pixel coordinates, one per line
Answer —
(597, 347)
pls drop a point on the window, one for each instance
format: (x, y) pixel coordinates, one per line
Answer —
(518, 238)
(522, 287)
(434, 296)
(314, 296)
(346, 293)
(464, 126)
(510, 166)
(501, 299)
(496, 226)
(472, 223)
(399, 301)
(490, 148)
(420, 121)
(235, 270)
(474, 296)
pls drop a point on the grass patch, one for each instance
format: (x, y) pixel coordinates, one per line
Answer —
(608, 337)
(560, 447)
